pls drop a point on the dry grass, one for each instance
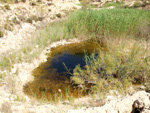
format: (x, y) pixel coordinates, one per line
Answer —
(6, 108)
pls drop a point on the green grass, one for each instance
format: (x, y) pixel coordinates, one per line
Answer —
(109, 23)
(116, 4)
(7, 1)
(86, 3)
(1, 34)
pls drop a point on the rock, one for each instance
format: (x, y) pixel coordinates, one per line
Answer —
(108, 98)
(32, 3)
(122, 104)
(142, 87)
(49, 4)
(137, 106)
(66, 103)
(113, 92)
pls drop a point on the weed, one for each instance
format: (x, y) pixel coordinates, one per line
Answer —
(6, 108)
(8, 26)
(7, 1)
(20, 98)
(137, 4)
(49, 10)
(29, 20)
(7, 7)
(1, 34)
(116, 4)
(23, 1)
(71, 99)
(15, 21)
(58, 15)
(36, 18)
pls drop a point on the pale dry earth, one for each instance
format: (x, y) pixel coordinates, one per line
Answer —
(14, 23)
(120, 105)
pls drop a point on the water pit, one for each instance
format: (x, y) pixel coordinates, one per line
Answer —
(51, 80)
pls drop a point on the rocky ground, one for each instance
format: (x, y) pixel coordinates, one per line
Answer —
(18, 21)
(139, 102)
(139, 4)
(17, 24)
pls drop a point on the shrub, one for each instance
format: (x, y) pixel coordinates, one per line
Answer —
(1, 34)
(39, 0)
(7, 7)
(58, 15)
(137, 4)
(116, 4)
(23, 1)
(16, 1)
(15, 21)
(113, 70)
(29, 20)
(8, 26)
(49, 10)
(36, 18)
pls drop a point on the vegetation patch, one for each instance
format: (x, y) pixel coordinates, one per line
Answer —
(108, 23)
(121, 65)
(7, 7)
(1, 34)
(115, 4)
(113, 70)
(58, 15)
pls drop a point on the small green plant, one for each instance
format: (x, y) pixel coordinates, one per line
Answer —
(34, 17)
(40, 18)
(29, 20)
(1, 34)
(115, 4)
(71, 99)
(7, 7)
(7, 1)
(23, 1)
(58, 15)
(20, 98)
(49, 10)
(15, 20)
(39, 0)
(8, 26)
(137, 4)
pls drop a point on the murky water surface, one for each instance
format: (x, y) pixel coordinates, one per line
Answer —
(51, 80)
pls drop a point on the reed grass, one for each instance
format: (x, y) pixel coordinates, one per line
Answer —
(109, 23)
